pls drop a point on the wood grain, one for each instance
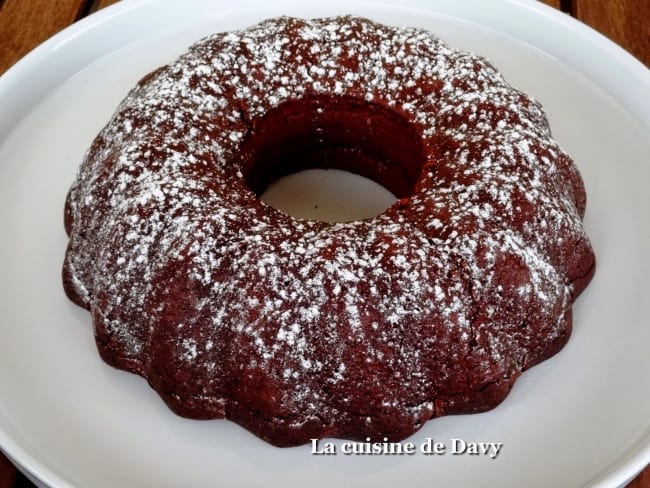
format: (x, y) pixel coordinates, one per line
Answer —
(7, 472)
(626, 22)
(24, 25)
(553, 3)
(641, 481)
(100, 4)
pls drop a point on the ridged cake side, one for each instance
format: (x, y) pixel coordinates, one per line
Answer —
(298, 329)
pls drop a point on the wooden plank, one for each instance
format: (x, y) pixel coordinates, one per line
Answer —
(7, 472)
(553, 3)
(100, 4)
(625, 22)
(24, 25)
(641, 481)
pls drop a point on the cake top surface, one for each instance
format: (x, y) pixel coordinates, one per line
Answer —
(163, 196)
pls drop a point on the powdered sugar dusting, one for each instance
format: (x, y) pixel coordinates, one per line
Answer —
(444, 294)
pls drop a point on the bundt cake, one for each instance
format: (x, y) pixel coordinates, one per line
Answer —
(300, 329)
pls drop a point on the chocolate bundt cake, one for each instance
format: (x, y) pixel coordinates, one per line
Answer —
(300, 329)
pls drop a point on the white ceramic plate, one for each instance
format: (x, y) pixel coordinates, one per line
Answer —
(579, 419)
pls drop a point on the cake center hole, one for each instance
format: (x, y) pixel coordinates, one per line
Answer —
(333, 159)
(329, 195)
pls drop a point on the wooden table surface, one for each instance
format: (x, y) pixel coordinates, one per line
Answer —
(26, 23)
